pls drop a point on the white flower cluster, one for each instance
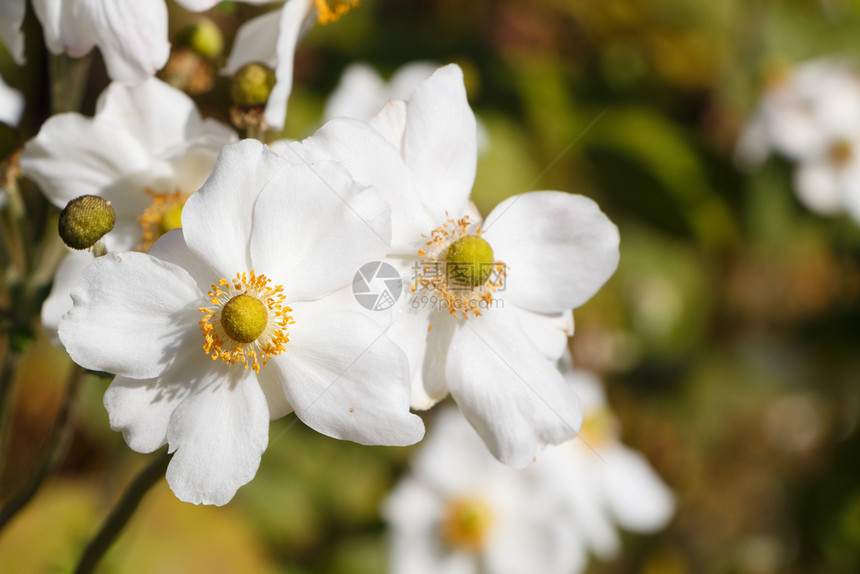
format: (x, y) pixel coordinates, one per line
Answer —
(810, 114)
(460, 511)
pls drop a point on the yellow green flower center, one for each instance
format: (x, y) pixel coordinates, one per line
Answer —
(466, 524)
(244, 318)
(458, 269)
(598, 428)
(470, 261)
(163, 214)
(247, 322)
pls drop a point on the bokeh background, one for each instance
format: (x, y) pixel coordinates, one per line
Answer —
(729, 337)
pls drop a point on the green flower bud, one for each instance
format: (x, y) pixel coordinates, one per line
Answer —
(252, 85)
(470, 261)
(204, 37)
(85, 220)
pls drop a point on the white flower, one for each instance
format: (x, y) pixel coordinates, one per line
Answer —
(462, 512)
(362, 92)
(272, 38)
(802, 112)
(146, 151)
(599, 481)
(227, 323)
(11, 16)
(11, 104)
(493, 350)
(828, 181)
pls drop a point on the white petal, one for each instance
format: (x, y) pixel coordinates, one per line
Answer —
(11, 18)
(218, 435)
(434, 376)
(11, 104)
(141, 408)
(391, 123)
(255, 41)
(549, 333)
(407, 77)
(296, 18)
(132, 314)
(514, 397)
(73, 156)
(817, 186)
(409, 330)
(374, 162)
(132, 36)
(313, 229)
(161, 117)
(347, 380)
(559, 249)
(359, 94)
(171, 247)
(635, 494)
(66, 27)
(276, 400)
(440, 142)
(217, 220)
(59, 301)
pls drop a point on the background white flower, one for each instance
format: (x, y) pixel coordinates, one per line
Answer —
(11, 16)
(460, 511)
(146, 150)
(11, 104)
(278, 236)
(557, 250)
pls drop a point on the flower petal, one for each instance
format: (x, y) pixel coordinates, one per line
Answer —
(440, 142)
(817, 186)
(73, 156)
(141, 408)
(346, 379)
(559, 249)
(255, 41)
(65, 27)
(132, 313)
(549, 333)
(218, 434)
(297, 17)
(514, 397)
(373, 162)
(634, 492)
(11, 104)
(11, 17)
(217, 220)
(132, 36)
(391, 123)
(59, 301)
(409, 330)
(313, 228)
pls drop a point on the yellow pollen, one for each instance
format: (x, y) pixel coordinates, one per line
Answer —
(458, 267)
(466, 524)
(247, 322)
(331, 10)
(162, 215)
(841, 152)
(598, 428)
(244, 318)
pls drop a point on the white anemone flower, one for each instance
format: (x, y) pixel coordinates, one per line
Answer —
(271, 39)
(599, 481)
(488, 336)
(11, 104)
(146, 150)
(11, 17)
(228, 322)
(462, 512)
(132, 36)
(828, 182)
(802, 112)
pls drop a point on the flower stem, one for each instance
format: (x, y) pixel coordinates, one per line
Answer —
(68, 81)
(11, 358)
(55, 448)
(122, 512)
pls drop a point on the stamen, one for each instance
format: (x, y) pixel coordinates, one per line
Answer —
(327, 14)
(441, 269)
(247, 322)
(466, 524)
(162, 215)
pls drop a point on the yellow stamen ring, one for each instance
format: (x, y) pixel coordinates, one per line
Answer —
(450, 249)
(247, 322)
(327, 14)
(162, 215)
(467, 524)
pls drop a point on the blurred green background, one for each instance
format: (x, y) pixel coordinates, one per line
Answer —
(729, 337)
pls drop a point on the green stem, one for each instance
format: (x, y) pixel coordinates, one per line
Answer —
(11, 359)
(55, 448)
(68, 81)
(122, 512)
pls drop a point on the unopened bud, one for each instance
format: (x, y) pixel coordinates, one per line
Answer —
(252, 85)
(204, 37)
(85, 220)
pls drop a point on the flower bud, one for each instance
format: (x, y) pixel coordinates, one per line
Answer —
(85, 220)
(252, 85)
(204, 37)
